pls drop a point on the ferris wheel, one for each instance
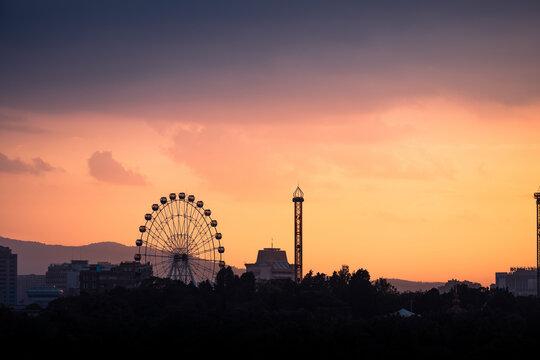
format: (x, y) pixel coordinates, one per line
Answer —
(180, 240)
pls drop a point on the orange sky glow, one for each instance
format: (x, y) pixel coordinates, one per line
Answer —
(429, 191)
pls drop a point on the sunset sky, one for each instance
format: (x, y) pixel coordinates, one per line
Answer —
(413, 127)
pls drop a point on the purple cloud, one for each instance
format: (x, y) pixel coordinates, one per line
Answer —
(16, 166)
(104, 168)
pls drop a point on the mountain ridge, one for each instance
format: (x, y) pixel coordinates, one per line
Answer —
(34, 257)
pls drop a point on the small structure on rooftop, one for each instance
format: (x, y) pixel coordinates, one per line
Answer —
(272, 264)
(404, 313)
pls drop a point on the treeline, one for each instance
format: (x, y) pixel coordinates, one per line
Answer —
(341, 314)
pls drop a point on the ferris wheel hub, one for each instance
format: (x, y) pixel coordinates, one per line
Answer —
(180, 257)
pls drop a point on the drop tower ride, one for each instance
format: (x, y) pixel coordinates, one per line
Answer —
(537, 197)
(298, 199)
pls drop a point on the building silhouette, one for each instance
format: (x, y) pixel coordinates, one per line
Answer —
(26, 282)
(43, 295)
(520, 281)
(98, 279)
(272, 264)
(8, 277)
(66, 276)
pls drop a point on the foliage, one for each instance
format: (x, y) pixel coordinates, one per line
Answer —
(344, 313)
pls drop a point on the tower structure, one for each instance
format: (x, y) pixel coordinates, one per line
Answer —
(298, 199)
(8, 277)
(537, 197)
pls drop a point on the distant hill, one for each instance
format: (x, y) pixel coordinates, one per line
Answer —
(450, 284)
(443, 287)
(406, 285)
(35, 257)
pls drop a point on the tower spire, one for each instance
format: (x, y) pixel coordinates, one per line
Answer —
(537, 197)
(298, 199)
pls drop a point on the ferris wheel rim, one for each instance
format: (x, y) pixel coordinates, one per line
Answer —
(189, 251)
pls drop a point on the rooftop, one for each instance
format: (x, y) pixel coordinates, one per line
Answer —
(271, 255)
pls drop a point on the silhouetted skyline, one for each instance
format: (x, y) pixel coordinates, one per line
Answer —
(412, 125)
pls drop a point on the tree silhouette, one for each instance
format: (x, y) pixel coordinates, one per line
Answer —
(341, 314)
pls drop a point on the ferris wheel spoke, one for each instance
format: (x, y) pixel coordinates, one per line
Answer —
(164, 227)
(202, 243)
(159, 222)
(200, 271)
(161, 268)
(187, 219)
(195, 214)
(185, 236)
(204, 265)
(201, 234)
(170, 213)
(159, 271)
(191, 273)
(179, 241)
(198, 274)
(172, 221)
(166, 270)
(172, 270)
(165, 219)
(193, 223)
(185, 273)
(207, 261)
(163, 271)
(203, 252)
(159, 256)
(158, 246)
(201, 237)
(159, 242)
(196, 225)
(178, 222)
(184, 227)
(156, 235)
(171, 230)
(165, 224)
(182, 272)
(202, 268)
(161, 260)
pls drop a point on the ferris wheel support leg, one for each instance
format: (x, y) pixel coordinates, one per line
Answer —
(191, 274)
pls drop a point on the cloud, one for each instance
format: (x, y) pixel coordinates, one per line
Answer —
(17, 166)
(242, 159)
(319, 56)
(16, 123)
(104, 168)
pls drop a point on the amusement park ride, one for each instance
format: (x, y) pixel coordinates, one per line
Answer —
(537, 197)
(298, 199)
(180, 240)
